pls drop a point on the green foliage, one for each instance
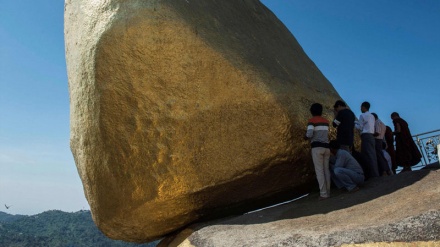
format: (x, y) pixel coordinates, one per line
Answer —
(55, 228)
(4, 217)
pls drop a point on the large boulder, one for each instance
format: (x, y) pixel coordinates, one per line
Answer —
(186, 109)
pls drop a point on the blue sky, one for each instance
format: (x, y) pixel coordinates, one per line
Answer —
(385, 52)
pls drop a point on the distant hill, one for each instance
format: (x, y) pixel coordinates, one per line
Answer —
(56, 229)
(4, 217)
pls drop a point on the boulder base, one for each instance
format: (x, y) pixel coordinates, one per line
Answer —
(397, 211)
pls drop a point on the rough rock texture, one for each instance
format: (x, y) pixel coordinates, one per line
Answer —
(397, 244)
(184, 109)
(387, 211)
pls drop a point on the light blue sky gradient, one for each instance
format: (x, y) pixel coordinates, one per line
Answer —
(385, 52)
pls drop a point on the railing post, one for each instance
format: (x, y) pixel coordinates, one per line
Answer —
(438, 152)
(422, 150)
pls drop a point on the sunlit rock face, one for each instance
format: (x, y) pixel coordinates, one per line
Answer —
(184, 109)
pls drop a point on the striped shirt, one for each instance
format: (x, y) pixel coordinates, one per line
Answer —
(317, 131)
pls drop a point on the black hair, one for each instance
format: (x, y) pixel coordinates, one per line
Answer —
(334, 144)
(339, 103)
(316, 109)
(395, 114)
(375, 115)
(366, 104)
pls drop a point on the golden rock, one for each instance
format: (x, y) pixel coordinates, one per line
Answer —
(186, 109)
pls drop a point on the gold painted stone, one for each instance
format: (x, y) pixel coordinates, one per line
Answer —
(185, 109)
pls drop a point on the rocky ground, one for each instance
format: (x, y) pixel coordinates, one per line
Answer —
(394, 210)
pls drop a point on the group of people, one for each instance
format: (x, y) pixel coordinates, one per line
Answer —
(338, 161)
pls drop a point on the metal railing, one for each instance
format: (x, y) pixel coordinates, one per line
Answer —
(428, 143)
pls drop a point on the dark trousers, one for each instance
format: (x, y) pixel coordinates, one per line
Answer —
(381, 161)
(368, 151)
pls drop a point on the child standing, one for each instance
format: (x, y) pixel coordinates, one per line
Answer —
(317, 133)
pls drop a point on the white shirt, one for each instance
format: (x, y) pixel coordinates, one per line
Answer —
(366, 123)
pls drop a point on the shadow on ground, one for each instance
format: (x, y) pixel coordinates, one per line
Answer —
(309, 205)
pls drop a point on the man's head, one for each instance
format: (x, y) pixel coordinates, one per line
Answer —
(334, 146)
(394, 115)
(339, 105)
(316, 109)
(365, 106)
(375, 115)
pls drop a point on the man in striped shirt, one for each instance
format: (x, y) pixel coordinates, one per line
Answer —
(317, 133)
